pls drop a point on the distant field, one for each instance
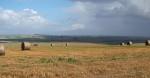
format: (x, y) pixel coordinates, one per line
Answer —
(78, 60)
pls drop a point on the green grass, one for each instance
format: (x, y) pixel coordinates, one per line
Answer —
(69, 60)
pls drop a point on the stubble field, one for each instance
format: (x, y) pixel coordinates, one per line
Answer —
(78, 60)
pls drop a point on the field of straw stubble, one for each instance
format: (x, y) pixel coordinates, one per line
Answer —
(78, 60)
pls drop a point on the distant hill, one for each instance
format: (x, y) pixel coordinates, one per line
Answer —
(19, 36)
(91, 39)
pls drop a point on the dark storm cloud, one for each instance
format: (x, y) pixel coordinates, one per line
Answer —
(95, 0)
(112, 17)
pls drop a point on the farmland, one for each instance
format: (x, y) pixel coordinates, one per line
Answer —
(78, 60)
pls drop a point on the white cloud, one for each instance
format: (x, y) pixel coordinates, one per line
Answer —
(26, 17)
(142, 7)
(27, 10)
(24, 21)
(77, 26)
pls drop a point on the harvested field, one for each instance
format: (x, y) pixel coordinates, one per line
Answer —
(77, 60)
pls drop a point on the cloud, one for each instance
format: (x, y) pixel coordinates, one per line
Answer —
(24, 17)
(26, 21)
(77, 26)
(112, 17)
(102, 1)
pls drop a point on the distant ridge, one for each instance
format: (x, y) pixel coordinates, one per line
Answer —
(90, 39)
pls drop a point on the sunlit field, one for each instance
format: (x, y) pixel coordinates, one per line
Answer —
(77, 60)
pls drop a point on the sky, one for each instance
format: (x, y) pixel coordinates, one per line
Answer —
(75, 17)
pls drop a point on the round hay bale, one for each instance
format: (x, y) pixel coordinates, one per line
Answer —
(147, 42)
(51, 45)
(2, 50)
(122, 44)
(66, 44)
(129, 43)
(25, 46)
(35, 44)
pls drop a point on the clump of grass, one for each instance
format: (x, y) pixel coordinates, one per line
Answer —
(46, 60)
(6, 65)
(119, 58)
(21, 59)
(60, 58)
(24, 59)
(69, 60)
